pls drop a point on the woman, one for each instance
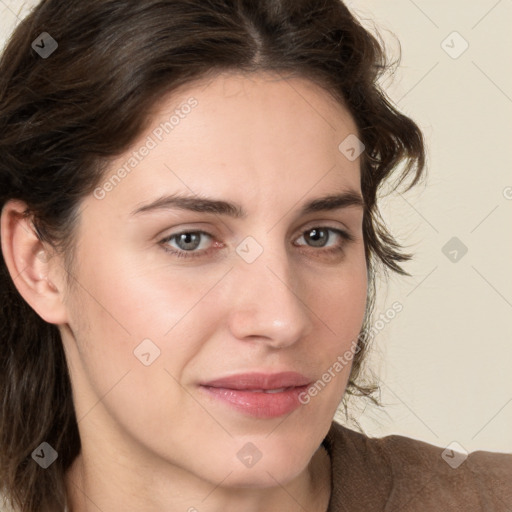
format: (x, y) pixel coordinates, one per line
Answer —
(190, 236)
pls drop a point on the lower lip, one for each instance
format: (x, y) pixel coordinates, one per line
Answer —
(257, 403)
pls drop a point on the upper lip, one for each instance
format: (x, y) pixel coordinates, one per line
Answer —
(256, 380)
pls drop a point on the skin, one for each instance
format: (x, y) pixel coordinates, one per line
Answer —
(151, 439)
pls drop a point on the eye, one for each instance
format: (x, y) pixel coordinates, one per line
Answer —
(194, 244)
(186, 242)
(324, 236)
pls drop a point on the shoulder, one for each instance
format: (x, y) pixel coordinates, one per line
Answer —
(397, 472)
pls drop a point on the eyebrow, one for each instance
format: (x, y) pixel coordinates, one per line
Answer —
(220, 207)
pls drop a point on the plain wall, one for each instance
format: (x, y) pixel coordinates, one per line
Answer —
(444, 361)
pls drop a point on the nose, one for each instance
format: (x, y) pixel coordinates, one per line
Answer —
(268, 302)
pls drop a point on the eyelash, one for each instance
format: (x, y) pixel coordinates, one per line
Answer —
(347, 238)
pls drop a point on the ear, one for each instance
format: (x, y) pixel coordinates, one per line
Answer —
(30, 263)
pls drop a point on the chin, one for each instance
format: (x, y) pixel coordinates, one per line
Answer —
(267, 465)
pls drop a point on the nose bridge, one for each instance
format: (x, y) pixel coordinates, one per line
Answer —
(268, 302)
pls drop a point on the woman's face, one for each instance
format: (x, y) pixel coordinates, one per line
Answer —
(241, 274)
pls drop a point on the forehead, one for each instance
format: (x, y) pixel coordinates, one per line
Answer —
(239, 132)
(260, 106)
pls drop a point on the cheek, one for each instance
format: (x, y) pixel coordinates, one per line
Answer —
(338, 303)
(340, 299)
(132, 298)
(124, 359)
(138, 317)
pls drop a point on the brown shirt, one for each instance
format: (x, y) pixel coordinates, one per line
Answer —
(399, 474)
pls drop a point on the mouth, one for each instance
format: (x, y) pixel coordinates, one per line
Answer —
(259, 395)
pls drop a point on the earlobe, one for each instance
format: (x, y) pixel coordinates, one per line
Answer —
(29, 263)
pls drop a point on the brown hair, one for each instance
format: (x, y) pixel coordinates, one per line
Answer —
(63, 117)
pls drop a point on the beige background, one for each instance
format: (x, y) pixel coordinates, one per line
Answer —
(445, 360)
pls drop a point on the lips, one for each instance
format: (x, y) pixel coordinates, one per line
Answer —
(259, 395)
